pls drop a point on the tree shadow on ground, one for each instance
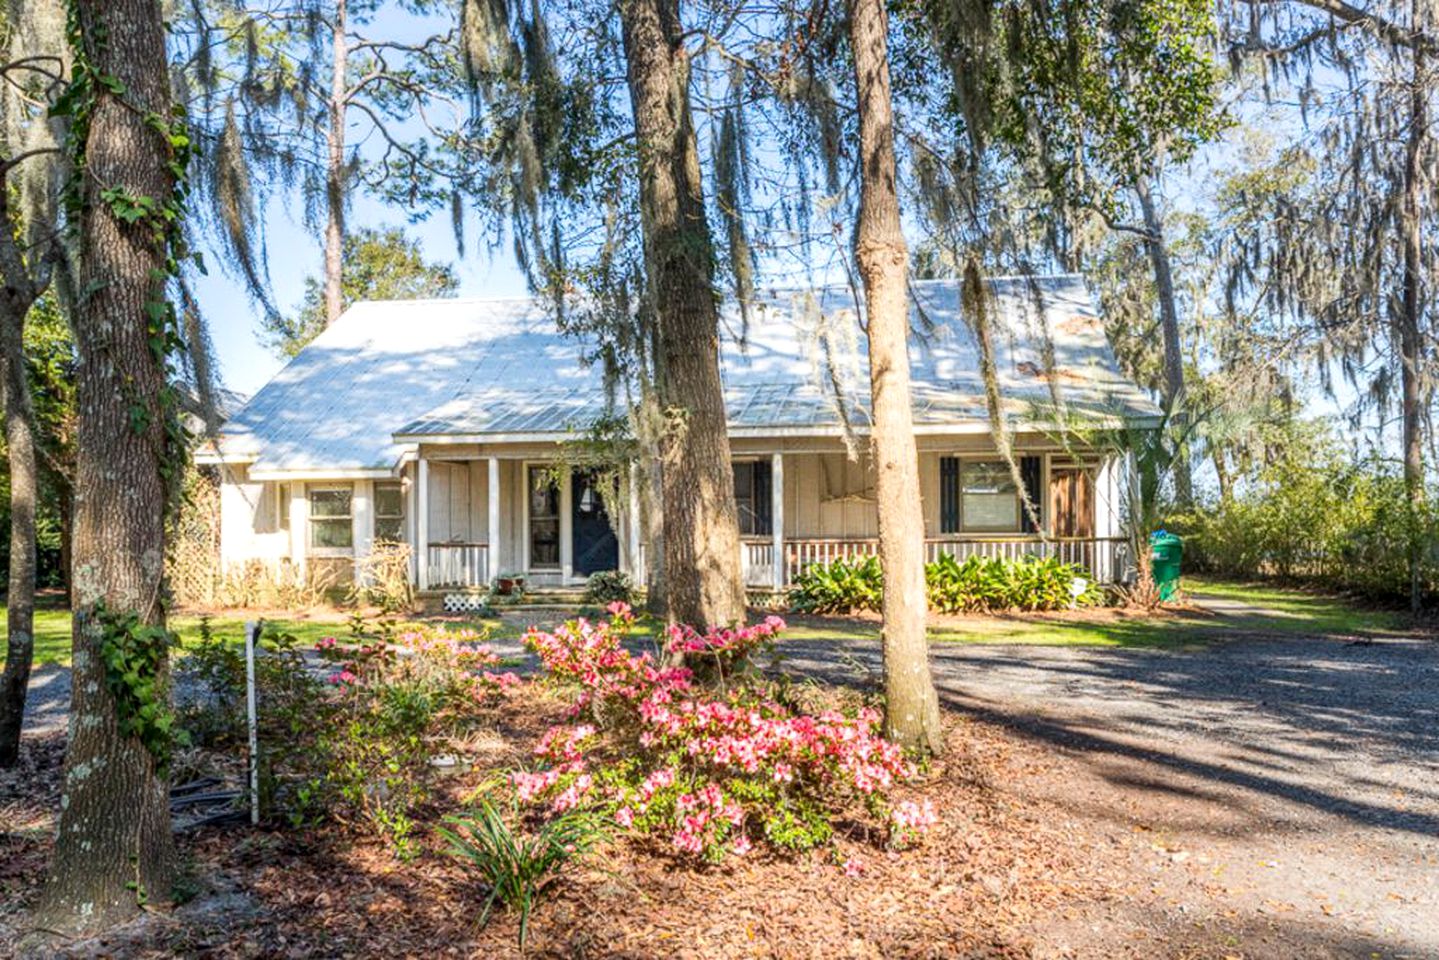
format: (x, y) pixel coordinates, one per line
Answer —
(1330, 726)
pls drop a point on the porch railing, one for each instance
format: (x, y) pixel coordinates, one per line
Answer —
(454, 565)
(1106, 558)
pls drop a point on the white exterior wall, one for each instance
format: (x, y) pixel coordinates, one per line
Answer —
(825, 495)
(458, 502)
(250, 520)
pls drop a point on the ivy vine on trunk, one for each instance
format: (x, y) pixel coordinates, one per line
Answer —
(129, 151)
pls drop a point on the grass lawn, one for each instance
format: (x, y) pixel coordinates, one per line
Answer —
(1229, 608)
(1245, 608)
(1218, 609)
(52, 631)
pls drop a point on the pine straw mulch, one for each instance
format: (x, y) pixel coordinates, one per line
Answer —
(994, 869)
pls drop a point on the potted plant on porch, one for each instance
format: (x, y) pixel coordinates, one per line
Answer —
(510, 584)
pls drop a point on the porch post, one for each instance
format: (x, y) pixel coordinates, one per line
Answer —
(422, 521)
(633, 525)
(412, 519)
(776, 511)
(1106, 519)
(299, 526)
(492, 530)
(362, 524)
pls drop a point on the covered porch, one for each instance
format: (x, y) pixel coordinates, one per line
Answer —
(487, 511)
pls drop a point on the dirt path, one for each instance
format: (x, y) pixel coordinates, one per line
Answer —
(1270, 796)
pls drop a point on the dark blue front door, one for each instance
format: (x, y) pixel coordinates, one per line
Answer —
(595, 546)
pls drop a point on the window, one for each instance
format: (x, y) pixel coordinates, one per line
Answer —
(282, 506)
(544, 519)
(389, 512)
(980, 496)
(752, 491)
(330, 518)
(989, 499)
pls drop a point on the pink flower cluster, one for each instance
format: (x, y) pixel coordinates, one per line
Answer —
(562, 746)
(750, 738)
(688, 741)
(592, 655)
(735, 642)
(910, 817)
(705, 817)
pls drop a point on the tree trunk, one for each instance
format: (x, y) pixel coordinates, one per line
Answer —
(1221, 476)
(1407, 321)
(651, 488)
(1169, 326)
(911, 705)
(19, 295)
(335, 173)
(701, 532)
(113, 849)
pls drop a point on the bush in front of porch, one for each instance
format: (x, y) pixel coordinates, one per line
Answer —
(974, 585)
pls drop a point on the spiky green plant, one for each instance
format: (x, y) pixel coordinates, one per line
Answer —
(519, 865)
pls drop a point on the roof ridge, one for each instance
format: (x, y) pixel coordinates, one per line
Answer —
(778, 288)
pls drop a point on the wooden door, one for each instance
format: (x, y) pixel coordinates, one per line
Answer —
(1071, 490)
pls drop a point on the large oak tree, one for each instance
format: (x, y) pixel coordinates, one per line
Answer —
(113, 850)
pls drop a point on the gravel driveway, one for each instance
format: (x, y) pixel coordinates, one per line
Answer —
(1273, 787)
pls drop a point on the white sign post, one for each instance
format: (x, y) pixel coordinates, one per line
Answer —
(252, 639)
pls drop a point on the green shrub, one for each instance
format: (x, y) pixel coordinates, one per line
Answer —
(1316, 516)
(983, 584)
(608, 586)
(356, 746)
(842, 586)
(975, 584)
(517, 867)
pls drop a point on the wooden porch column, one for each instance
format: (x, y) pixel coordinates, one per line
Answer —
(412, 519)
(776, 511)
(299, 526)
(362, 524)
(632, 526)
(494, 564)
(1106, 518)
(422, 521)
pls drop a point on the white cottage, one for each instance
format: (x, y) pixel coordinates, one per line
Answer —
(435, 422)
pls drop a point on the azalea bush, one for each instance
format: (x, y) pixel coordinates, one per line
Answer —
(708, 769)
(393, 707)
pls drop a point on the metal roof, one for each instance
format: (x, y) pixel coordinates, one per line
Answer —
(392, 373)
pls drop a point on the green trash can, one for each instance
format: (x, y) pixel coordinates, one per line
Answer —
(1166, 552)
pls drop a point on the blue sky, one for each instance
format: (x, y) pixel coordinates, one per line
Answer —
(296, 251)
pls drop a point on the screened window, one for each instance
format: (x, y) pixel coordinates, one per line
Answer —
(331, 518)
(389, 512)
(752, 486)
